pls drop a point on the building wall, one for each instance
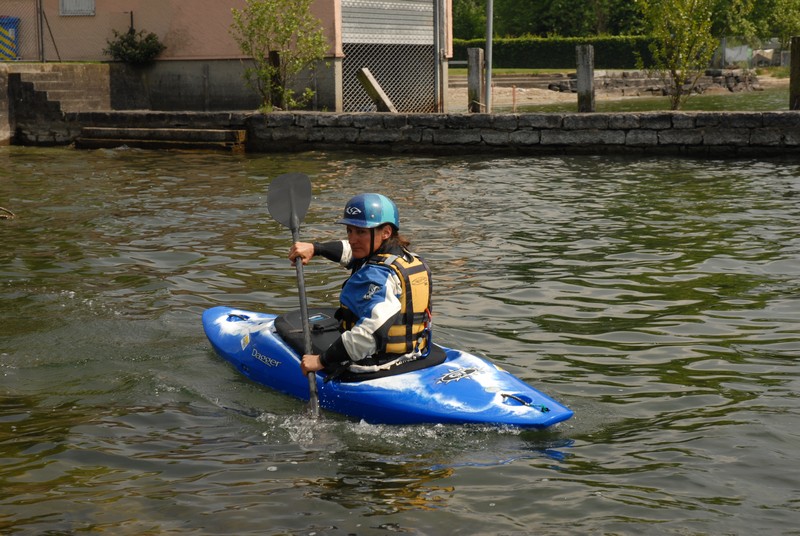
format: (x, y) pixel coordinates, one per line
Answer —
(190, 29)
(197, 36)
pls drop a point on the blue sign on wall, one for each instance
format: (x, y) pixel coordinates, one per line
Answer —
(9, 32)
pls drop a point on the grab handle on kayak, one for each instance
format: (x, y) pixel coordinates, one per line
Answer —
(237, 316)
(525, 401)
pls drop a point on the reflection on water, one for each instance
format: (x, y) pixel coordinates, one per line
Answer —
(657, 297)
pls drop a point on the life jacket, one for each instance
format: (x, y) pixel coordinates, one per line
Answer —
(410, 331)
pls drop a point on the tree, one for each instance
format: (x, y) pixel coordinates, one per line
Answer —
(469, 19)
(755, 20)
(565, 18)
(751, 20)
(785, 20)
(283, 38)
(683, 44)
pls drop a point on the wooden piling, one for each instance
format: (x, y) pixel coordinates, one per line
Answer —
(794, 75)
(382, 102)
(585, 57)
(475, 81)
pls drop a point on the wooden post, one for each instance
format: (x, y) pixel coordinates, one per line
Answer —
(374, 90)
(487, 85)
(794, 75)
(514, 98)
(475, 81)
(585, 55)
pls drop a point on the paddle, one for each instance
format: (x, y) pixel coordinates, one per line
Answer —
(288, 198)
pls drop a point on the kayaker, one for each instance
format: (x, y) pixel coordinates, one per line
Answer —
(385, 304)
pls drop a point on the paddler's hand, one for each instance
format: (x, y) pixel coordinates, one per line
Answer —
(310, 363)
(304, 250)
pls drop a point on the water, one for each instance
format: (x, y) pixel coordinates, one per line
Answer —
(658, 298)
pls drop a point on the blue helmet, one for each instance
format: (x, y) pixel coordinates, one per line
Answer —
(370, 210)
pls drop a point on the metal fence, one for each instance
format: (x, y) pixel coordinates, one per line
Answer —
(80, 30)
(20, 37)
(396, 41)
(405, 73)
(27, 35)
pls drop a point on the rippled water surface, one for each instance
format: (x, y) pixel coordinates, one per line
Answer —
(658, 298)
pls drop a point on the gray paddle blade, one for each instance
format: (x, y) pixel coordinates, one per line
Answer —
(288, 198)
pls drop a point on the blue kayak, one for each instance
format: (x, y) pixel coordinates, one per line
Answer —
(448, 386)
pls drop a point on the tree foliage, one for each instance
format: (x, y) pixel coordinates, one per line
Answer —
(755, 20)
(683, 43)
(785, 20)
(752, 20)
(283, 38)
(545, 18)
(469, 19)
(565, 18)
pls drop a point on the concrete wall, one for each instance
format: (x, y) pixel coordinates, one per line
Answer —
(5, 116)
(210, 85)
(182, 85)
(744, 134)
(167, 86)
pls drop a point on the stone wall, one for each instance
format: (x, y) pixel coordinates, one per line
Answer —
(686, 133)
(718, 134)
(643, 83)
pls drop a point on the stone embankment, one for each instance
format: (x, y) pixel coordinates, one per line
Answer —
(701, 133)
(35, 119)
(743, 134)
(642, 84)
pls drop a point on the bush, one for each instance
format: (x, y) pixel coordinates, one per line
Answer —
(559, 52)
(134, 48)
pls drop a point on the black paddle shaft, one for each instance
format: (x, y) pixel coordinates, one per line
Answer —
(301, 287)
(288, 199)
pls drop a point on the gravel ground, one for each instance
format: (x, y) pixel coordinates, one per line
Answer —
(504, 98)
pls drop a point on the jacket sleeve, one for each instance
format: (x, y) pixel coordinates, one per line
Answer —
(337, 251)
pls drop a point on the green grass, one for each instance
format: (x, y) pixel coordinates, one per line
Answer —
(777, 72)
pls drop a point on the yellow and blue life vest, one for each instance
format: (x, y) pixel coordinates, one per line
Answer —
(410, 331)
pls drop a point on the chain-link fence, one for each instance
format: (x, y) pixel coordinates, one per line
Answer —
(395, 40)
(739, 52)
(26, 33)
(19, 30)
(405, 73)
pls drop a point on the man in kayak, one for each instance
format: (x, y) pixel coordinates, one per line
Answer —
(385, 304)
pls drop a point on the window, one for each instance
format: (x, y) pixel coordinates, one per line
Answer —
(76, 8)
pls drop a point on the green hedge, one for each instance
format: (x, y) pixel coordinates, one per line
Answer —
(620, 52)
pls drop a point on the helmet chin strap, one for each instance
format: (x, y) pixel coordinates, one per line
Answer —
(372, 242)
